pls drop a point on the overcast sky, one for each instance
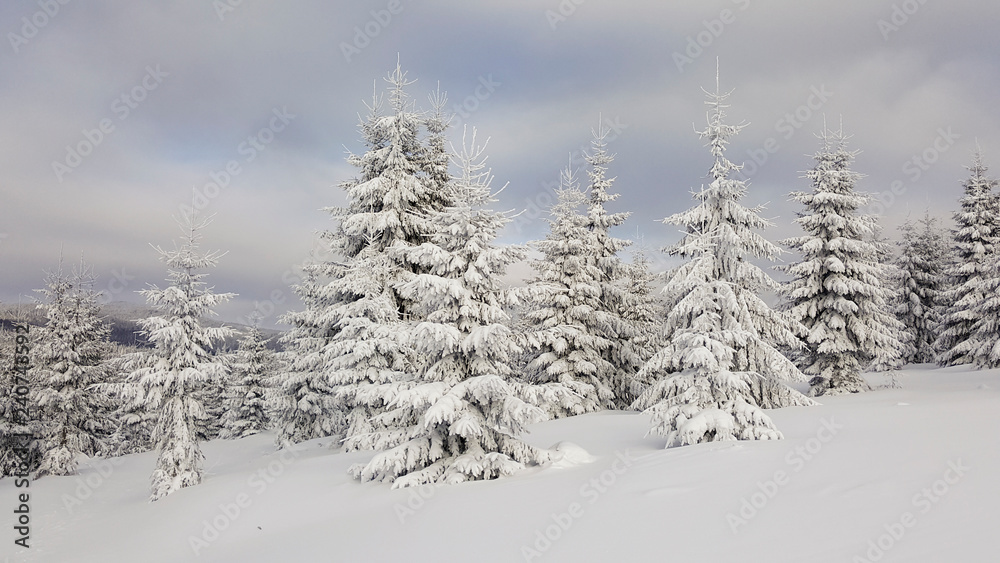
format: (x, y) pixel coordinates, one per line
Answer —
(115, 112)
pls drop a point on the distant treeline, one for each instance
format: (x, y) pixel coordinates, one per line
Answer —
(122, 320)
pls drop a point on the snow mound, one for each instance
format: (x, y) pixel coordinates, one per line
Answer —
(568, 454)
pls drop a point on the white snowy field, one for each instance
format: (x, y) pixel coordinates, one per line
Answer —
(907, 474)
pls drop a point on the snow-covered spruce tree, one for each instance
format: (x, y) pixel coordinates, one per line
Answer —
(890, 279)
(212, 397)
(922, 258)
(702, 398)
(615, 298)
(404, 181)
(459, 418)
(719, 365)
(133, 423)
(370, 349)
(69, 356)
(836, 289)
(985, 338)
(645, 313)
(975, 242)
(893, 279)
(579, 298)
(168, 379)
(400, 180)
(246, 394)
(435, 157)
(566, 322)
(350, 329)
(301, 403)
(984, 342)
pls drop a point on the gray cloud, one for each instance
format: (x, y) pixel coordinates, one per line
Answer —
(894, 89)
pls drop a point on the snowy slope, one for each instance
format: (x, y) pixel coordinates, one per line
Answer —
(879, 465)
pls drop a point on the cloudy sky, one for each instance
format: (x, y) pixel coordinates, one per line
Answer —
(116, 113)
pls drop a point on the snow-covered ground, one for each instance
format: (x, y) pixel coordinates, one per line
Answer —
(907, 474)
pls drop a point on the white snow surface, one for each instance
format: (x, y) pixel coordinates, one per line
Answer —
(855, 470)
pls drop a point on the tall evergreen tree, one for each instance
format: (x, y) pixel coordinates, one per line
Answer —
(436, 158)
(975, 242)
(212, 396)
(399, 184)
(614, 298)
(69, 356)
(168, 379)
(459, 418)
(371, 348)
(347, 341)
(245, 397)
(644, 314)
(567, 325)
(580, 306)
(702, 398)
(301, 406)
(719, 366)
(133, 422)
(985, 338)
(922, 258)
(890, 279)
(984, 341)
(836, 290)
